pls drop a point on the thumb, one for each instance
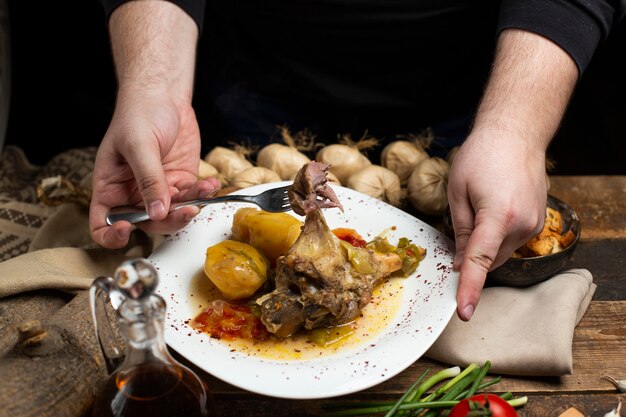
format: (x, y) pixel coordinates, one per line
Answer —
(150, 177)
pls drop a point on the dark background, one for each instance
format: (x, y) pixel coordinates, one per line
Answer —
(63, 90)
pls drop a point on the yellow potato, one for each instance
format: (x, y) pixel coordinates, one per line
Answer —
(271, 233)
(237, 269)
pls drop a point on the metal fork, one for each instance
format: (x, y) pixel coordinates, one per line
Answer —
(275, 200)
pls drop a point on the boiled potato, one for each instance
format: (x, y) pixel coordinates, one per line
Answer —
(271, 233)
(237, 269)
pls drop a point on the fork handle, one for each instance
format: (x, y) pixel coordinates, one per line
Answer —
(136, 215)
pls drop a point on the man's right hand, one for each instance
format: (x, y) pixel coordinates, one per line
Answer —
(149, 155)
(151, 151)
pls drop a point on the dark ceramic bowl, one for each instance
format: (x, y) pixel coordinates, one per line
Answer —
(522, 272)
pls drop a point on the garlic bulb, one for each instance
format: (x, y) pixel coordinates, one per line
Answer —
(228, 162)
(206, 170)
(284, 160)
(401, 157)
(346, 158)
(378, 182)
(254, 176)
(343, 160)
(428, 186)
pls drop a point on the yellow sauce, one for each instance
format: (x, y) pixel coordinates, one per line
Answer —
(375, 317)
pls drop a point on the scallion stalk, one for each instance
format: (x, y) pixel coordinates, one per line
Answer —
(479, 379)
(462, 385)
(402, 399)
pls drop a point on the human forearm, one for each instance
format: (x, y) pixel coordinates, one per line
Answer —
(497, 188)
(150, 151)
(154, 46)
(530, 86)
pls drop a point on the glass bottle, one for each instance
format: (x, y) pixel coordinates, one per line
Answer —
(145, 380)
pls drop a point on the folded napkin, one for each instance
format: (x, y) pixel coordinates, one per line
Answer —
(67, 269)
(63, 256)
(521, 331)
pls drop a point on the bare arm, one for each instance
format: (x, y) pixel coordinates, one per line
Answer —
(154, 46)
(151, 149)
(497, 188)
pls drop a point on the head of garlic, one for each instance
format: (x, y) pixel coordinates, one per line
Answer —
(378, 182)
(206, 170)
(428, 186)
(228, 162)
(346, 157)
(401, 157)
(284, 160)
(254, 176)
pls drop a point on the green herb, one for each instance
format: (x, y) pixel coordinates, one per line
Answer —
(448, 386)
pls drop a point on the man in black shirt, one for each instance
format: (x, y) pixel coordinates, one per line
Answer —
(343, 65)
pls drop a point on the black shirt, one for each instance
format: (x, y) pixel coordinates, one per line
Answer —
(359, 64)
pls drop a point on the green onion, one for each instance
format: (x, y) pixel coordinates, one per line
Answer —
(438, 377)
(461, 385)
(406, 394)
(479, 379)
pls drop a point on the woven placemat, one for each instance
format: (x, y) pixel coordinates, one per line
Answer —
(22, 213)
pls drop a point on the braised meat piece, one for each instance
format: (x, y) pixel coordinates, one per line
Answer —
(310, 189)
(316, 283)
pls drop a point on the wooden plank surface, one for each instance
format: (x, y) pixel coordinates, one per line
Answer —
(598, 347)
(252, 405)
(599, 344)
(600, 202)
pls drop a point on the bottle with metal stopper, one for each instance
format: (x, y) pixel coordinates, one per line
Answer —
(145, 380)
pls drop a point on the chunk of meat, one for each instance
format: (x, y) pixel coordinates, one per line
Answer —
(310, 189)
(316, 283)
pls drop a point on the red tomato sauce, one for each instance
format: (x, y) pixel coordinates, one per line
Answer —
(222, 320)
(351, 236)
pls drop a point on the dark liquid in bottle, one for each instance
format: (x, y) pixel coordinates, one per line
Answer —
(154, 390)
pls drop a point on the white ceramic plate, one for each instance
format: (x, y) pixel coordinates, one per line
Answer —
(427, 306)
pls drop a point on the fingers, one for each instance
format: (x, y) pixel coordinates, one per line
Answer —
(150, 177)
(117, 235)
(478, 254)
(176, 220)
(200, 189)
(473, 257)
(462, 215)
(485, 242)
(179, 218)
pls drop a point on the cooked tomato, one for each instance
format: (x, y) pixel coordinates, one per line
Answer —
(228, 321)
(491, 404)
(351, 236)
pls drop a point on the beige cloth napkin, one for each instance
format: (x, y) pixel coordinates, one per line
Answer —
(521, 331)
(67, 269)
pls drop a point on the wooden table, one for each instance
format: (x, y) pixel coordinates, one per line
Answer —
(599, 345)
